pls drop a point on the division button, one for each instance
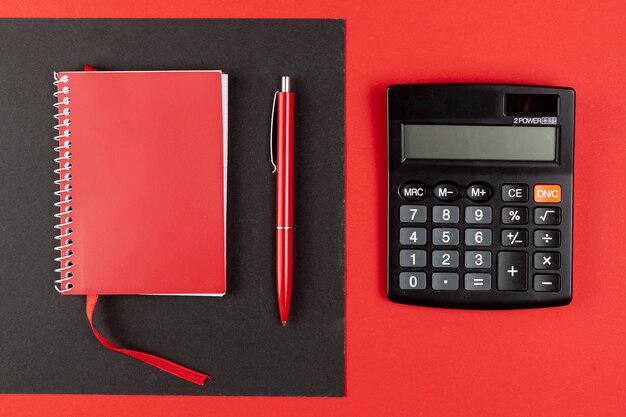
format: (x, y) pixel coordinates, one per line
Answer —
(547, 215)
(515, 192)
(547, 260)
(478, 192)
(412, 280)
(445, 192)
(545, 282)
(547, 238)
(477, 282)
(445, 281)
(413, 191)
(547, 193)
(512, 271)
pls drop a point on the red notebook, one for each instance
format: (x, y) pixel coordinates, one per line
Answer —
(142, 165)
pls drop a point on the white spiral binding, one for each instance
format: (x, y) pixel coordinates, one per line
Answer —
(63, 284)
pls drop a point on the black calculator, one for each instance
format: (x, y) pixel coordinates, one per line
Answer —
(480, 195)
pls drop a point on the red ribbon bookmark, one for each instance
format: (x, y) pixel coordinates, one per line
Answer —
(163, 364)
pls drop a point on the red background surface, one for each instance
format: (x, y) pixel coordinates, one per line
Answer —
(404, 360)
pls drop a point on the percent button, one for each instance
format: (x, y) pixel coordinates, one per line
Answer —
(514, 215)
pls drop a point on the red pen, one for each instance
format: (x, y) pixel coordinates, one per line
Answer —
(284, 196)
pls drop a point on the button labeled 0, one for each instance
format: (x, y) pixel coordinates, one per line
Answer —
(547, 193)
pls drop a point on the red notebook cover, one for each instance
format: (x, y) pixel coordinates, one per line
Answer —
(142, 182)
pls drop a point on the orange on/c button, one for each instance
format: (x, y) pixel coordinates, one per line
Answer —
(547, 193)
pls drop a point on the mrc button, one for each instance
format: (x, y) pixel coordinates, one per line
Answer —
(515, 192)
(412, 191)
(547, 193)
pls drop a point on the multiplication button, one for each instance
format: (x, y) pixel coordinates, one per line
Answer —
(547, 260)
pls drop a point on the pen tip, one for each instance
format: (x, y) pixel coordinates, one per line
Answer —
(284, 323)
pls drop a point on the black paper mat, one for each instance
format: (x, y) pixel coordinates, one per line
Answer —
(47, 345)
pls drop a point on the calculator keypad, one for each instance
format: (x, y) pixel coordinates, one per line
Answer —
(476, 239)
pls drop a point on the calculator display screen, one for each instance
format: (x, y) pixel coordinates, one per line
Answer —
(473, 142)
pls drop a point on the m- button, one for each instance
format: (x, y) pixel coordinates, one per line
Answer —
(547, 193)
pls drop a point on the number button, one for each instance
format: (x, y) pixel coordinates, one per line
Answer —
(412, 191)
(412, 280)
(478, 237)
(477, 282)
(413, 214)
(514, 215)
(413, 236)
(547, 260)
(512, 271)
(445, 258)
(547, 238)
(514, 237)
(445, 281)
(515, 192)
(445, 214)
(547, 215)
(445, 192)
(445, 236)
(477, 259)
(478, 192)
(478, 214)
(413, 258)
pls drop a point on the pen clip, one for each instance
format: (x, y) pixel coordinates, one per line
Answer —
(272, 133)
